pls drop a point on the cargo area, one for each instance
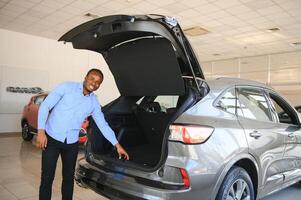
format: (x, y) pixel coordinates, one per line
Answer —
(141, 125)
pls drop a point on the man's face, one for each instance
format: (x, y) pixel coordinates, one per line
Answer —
(92, 81)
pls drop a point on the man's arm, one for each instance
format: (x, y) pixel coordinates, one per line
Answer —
(106, 130)
(50, 101)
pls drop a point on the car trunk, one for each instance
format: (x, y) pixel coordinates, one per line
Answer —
(141, 125)
(148, 57)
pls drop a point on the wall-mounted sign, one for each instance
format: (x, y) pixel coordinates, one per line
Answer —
(32, 90)
(18, 85)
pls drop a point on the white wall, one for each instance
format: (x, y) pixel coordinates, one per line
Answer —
(282, 71)
(60, 61)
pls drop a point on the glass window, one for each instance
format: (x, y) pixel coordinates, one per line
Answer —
(284, 114)
(164, 104)
(167, 102)
(253, 104)
(228, 101)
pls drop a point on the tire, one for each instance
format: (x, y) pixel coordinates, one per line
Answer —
(26, 134)
(237, 185)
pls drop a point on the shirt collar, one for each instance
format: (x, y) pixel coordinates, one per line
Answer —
(81, 88)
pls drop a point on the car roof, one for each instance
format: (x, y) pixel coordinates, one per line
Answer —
(222, 83)
(41, 94)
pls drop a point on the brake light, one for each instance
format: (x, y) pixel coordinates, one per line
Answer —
(185, 178)
(190, 134)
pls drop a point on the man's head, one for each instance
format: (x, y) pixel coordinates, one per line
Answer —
(92, 80)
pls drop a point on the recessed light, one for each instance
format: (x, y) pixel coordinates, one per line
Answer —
(270, 30)
(195, 31)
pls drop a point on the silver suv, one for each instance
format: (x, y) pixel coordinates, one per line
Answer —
(226, 139)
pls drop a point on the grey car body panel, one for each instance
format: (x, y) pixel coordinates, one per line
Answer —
(268, 152)
(208, 164)
(226, 146)
(291, 158)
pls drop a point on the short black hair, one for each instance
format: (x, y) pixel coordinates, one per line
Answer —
(98, 71)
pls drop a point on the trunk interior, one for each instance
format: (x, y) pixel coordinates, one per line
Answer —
(141, 125)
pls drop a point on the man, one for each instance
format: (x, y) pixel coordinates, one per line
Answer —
(70, 103)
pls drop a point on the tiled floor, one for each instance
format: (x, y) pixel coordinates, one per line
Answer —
(20, 174)
(20, 168)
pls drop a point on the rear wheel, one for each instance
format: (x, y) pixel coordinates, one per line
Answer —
(26, 134)
(236, 186)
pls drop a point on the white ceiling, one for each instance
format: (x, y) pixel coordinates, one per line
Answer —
(237, 28)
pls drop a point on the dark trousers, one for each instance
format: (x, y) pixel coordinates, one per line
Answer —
(50, 156)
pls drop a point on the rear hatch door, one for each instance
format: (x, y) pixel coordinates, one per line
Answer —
(147, 55)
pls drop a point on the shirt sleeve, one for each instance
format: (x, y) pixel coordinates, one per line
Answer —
(102, 124)
(49, 102)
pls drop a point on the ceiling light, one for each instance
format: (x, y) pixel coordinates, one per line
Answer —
(271, 30)
(195, 31)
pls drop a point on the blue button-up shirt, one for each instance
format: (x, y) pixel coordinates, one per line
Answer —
(69, 107)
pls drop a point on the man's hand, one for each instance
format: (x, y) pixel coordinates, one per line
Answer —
(121, 152)
(41, 139)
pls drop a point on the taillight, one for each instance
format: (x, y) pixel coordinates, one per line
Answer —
(185, 178)
(190, 134)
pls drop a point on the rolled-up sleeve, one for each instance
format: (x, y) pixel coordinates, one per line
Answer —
(49, 102)
(102, 124)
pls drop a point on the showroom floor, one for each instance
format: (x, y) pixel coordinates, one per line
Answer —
(20, 174)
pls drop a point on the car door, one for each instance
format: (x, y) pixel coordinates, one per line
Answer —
(288, 124)
(265, 143)
(33, 111)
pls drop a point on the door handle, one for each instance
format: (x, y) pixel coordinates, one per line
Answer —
(291, 135)
(255, 134)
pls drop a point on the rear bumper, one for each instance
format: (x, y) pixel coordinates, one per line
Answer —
(119, 186)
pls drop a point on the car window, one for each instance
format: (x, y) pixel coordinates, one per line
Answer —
(253, 104)
(39, 100)
(167, 101)
(284, 112)
(228, 101)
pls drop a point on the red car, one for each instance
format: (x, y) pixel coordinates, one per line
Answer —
(29, 121)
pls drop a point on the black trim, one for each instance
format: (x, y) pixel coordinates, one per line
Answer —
(146, 67)
(99, 177)
(287, 107)
(107, 191)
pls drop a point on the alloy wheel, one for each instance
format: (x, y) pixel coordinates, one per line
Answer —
(239, 191)
(25, 130)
